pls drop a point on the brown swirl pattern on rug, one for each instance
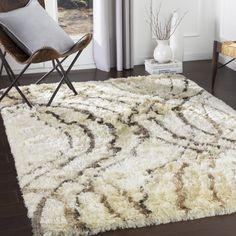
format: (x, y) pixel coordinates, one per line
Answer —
(123, 153)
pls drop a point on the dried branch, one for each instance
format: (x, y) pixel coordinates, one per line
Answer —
(178, 22)
(163, 29)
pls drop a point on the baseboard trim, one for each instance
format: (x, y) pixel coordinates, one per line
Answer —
(187, 57)
(197, 56)
(46, 69)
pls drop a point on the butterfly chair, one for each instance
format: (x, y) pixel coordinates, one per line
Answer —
(42, 55)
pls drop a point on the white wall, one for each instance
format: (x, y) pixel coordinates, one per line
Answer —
(199, 27)
(226, 24)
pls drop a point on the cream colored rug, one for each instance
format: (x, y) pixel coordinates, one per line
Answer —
(124, 153)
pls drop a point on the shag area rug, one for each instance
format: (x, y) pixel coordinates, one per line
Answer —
(124, 153)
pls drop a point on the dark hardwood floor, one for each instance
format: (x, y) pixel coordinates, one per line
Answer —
(13, 214)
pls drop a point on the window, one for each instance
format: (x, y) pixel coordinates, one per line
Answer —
(75, 16)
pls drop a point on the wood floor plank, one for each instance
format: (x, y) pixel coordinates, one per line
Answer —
(9, 197)
(13, 210)
(14, 222)
(6, 167)
(24, 231)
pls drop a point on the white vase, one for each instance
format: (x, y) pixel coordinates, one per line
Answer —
(163, 52)
(177, 39)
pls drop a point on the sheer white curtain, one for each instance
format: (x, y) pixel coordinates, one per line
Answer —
(113, 34)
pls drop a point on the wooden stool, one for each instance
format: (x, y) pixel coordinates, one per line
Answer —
(227, 48)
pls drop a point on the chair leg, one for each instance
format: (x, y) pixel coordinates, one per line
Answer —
(70, 67)
(17, 88)
(56, 67)
(67, 81)
(14, 83)
(64, 76)
(56, 91)
(8, 68)
(74, 60)
(50, 72)
(215, 60)
(15, 79)
(2, 65)
(61, 73)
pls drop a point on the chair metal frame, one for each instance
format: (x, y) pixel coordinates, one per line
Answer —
(57, 66)
(217, 50)
(14, 79)
(63, 73)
